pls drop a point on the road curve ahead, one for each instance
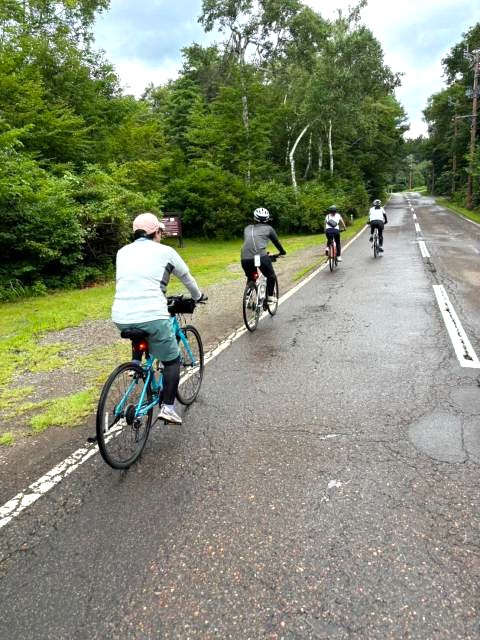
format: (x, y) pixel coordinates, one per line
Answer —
(324, 485)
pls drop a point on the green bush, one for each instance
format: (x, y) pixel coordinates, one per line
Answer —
(279, 199)
(40, 233)
(214, 202)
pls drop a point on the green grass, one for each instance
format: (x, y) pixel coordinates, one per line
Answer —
(6, 439)
(66, 411)
(456, 208)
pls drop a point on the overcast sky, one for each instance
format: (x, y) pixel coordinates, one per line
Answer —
(143, 39)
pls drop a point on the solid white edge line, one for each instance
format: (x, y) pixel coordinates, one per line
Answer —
(423, 249)
(471, 221)
(461, 344)
(417, 228)
(40, 487)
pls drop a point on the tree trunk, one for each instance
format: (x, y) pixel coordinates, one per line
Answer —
(309, 162)
(320, 155)
(292, 158)
(330, 148)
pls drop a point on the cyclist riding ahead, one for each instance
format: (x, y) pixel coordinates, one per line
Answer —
(377, 218)
(333, 220)
(254, 253)
(143, 271)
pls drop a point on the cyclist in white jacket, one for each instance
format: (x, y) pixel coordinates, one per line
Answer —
(143, 270)
(333, 224)
(377, 218)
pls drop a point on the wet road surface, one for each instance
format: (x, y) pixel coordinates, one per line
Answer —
(324, 485)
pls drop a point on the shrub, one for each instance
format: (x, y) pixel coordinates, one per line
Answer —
(214, 202)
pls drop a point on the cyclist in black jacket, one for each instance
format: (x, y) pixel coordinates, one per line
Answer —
(254, 253)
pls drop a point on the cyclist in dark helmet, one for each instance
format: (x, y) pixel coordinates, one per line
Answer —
(333, 223)
(377, 218)
(254, 253)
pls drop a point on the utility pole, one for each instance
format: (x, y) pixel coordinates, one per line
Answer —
(474, 58)
(454, 158)
(454, 104)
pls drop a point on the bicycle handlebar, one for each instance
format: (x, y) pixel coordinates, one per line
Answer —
(274, 256)
(180, 304)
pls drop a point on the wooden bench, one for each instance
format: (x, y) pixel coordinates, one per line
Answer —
(173, 227)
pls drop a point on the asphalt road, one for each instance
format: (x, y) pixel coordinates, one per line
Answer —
(324, 485)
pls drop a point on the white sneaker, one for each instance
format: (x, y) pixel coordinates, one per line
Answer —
(169, 415)
(272, 300)
(339, 259)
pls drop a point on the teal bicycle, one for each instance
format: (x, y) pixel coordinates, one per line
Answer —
(134, 389)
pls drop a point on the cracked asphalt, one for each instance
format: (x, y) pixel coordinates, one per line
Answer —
(324, 485)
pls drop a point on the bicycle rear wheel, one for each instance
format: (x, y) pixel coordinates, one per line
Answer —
(121, 435)
(250, 303)
(375, 246)
(331, 257)
(191, 365)
(272, 308)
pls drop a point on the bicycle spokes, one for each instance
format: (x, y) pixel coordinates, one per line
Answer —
(124, 415)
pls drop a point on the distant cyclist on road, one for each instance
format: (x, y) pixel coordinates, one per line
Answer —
(377, 218)
(333, 223)
(143, 271)
(254, 254)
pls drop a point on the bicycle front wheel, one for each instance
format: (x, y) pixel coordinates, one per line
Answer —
(250, 303)
(191, 364)
(272, 307)
(123, 421)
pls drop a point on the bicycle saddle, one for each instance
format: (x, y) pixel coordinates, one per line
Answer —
(133, 334)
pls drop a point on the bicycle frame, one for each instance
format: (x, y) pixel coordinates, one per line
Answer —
(260, 282)
(150, 381)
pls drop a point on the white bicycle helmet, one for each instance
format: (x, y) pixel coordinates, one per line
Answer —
(376, 203)
(261, 215)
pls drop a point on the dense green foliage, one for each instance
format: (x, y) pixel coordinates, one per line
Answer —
(291, 111)
(444, 157)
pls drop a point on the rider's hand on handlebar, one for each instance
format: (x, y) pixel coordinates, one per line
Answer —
(203, 298)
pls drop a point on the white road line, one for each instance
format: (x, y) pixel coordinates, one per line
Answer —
(468, 220)
(37, 489)
(40, 487)
(463, 348)
(414, 216)
(417, 228)
(423, 249)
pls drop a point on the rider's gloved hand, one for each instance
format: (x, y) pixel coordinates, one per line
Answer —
(283, 253)
(203, 298)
